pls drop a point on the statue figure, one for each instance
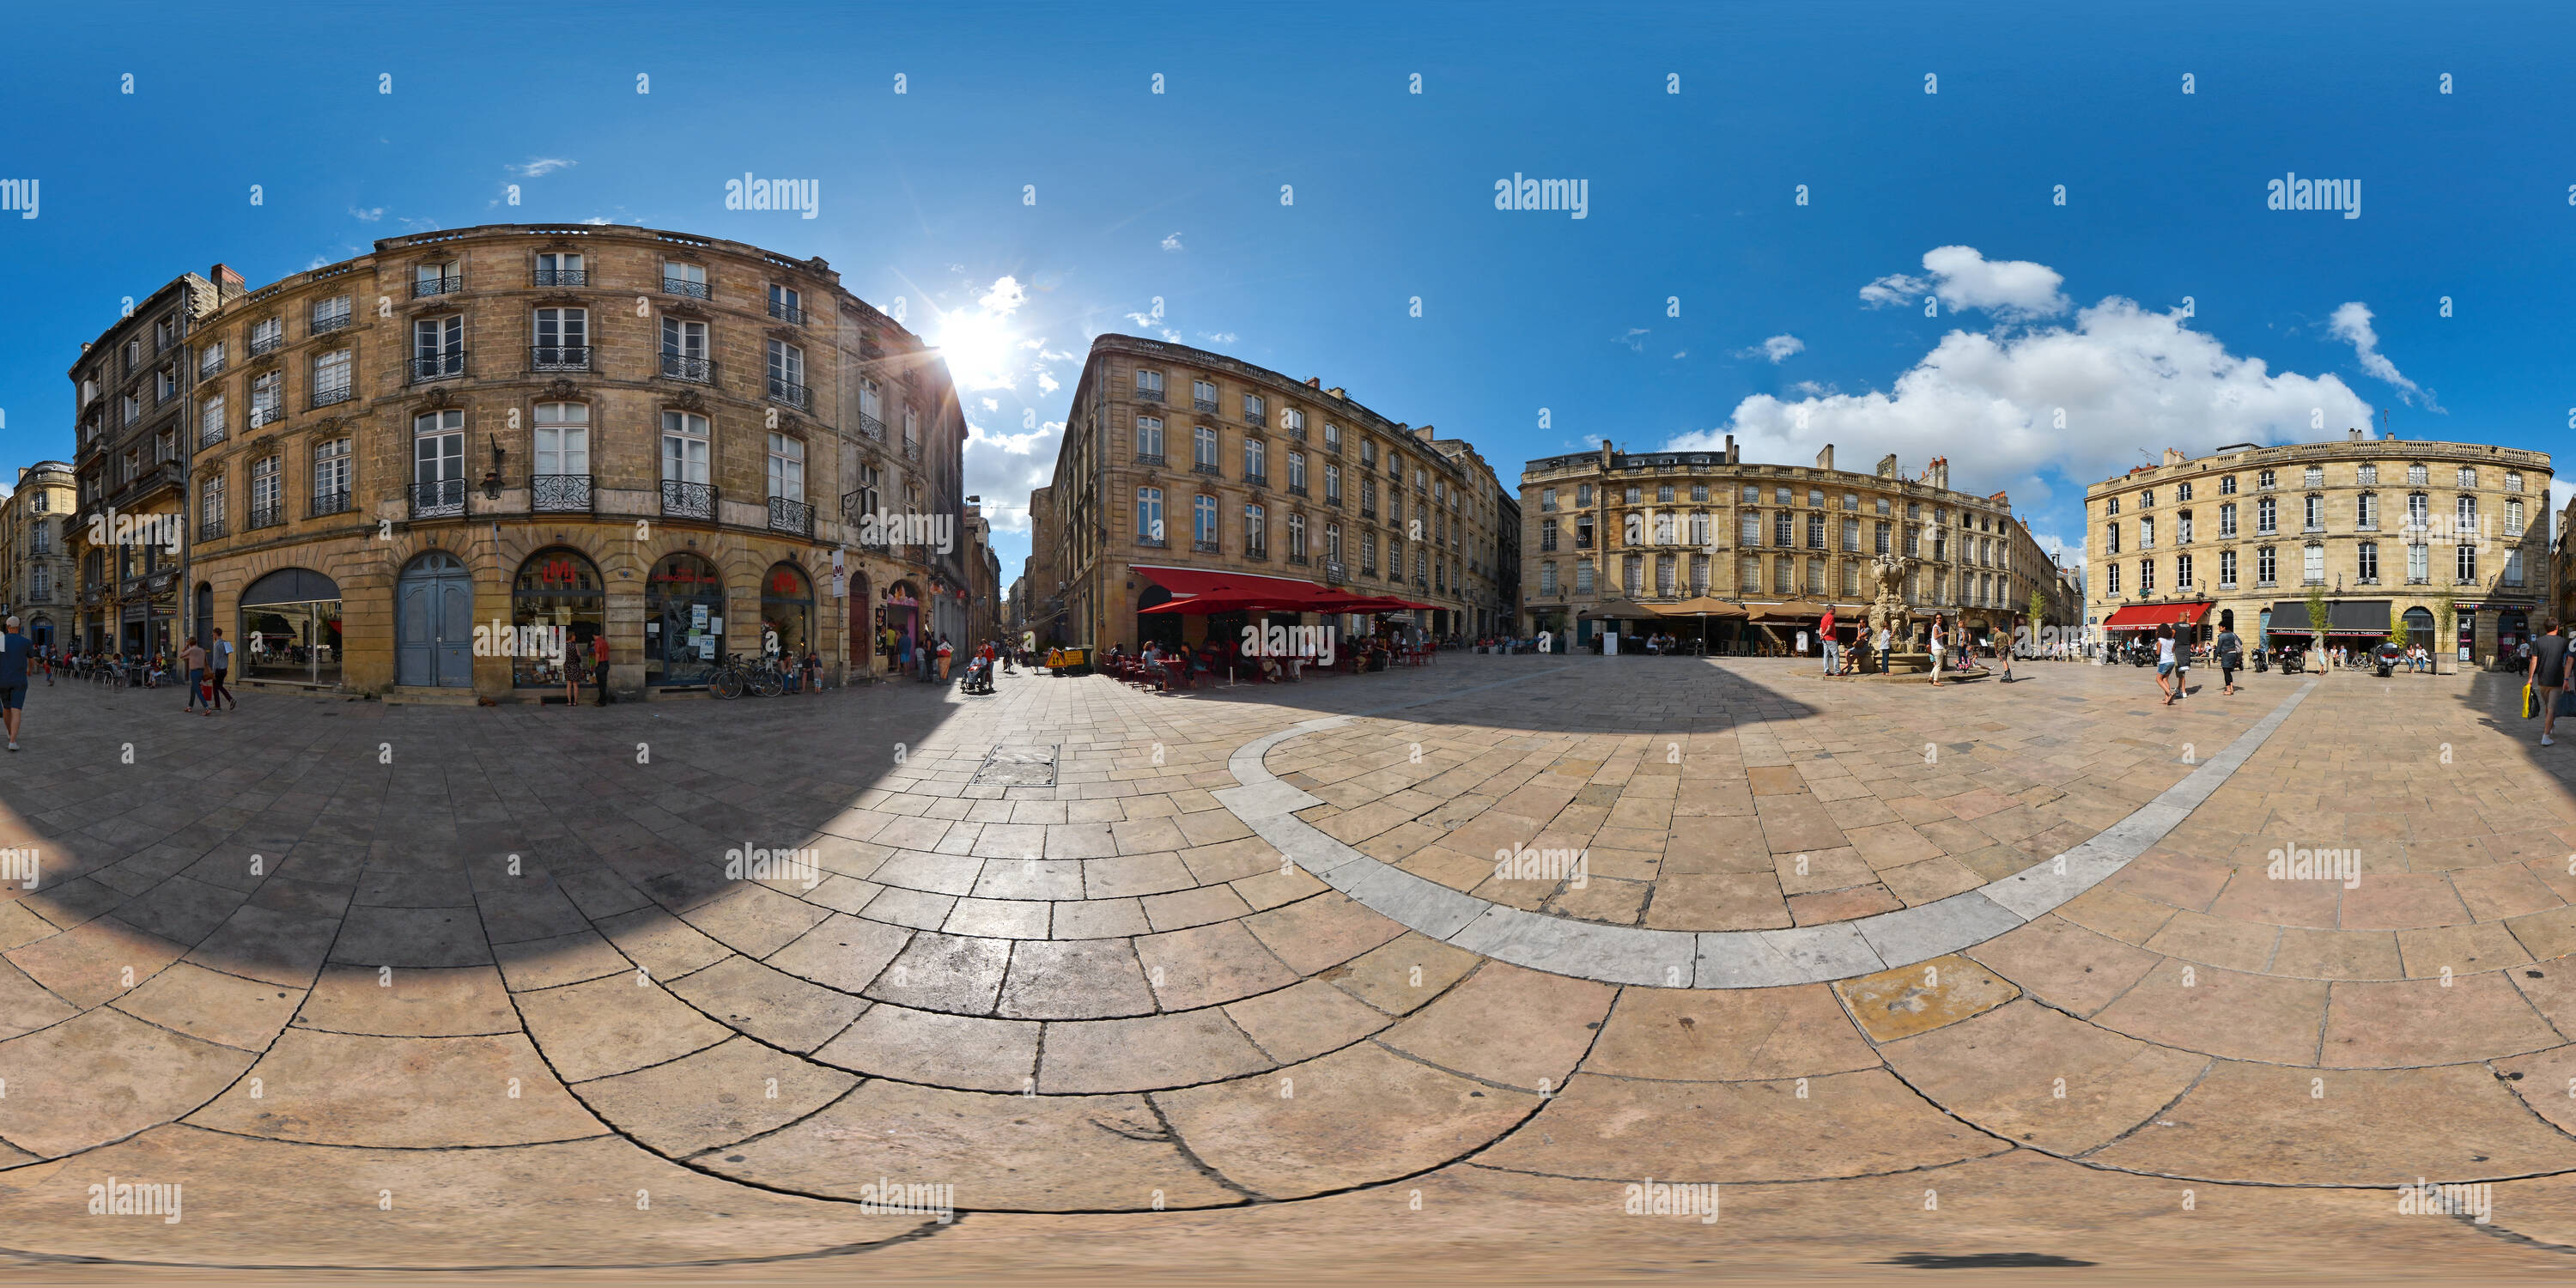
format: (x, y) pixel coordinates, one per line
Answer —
(1887, 575)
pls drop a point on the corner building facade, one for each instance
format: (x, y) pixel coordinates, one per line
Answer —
(669, 440)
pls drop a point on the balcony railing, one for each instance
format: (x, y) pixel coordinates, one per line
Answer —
(268, 415)
(334, 394)
(262, 346)
(1154, 459)
(793, 395)
(1145, 394)
(1332, 500)
(559, 357)
(787, 313)
(559, 492)
(331, 503)
(872, 427)
(1207, 547)
(265, 516)
(438, 499)
(680, 366)
(683, 286)
(1255, 419)
(424, 287)
(791, 516)
(210, 530)
(563, 277)
(1297, 432)
(1296, 489)
(1258, 552)
(688, 500)
(1203, 467)
(330, 322)
(1203, 405)
(437, 366)
(912, 449)
(1256, 480)
(1156, 542)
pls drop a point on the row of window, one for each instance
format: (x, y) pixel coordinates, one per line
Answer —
(2267, 515)
(2267, 570)
(1207, 446)
(2365, 474)
(1148, 386)
(1788, 577)
(1206, 536)
(1781, 495)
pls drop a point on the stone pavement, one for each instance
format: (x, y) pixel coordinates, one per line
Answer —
(1215, 976)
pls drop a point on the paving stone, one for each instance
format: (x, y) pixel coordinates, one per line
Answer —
(613, 1025)
(716, 1097)
(962, 1051)
(351, 1089)
(1848, 1124)
(2043, 1078)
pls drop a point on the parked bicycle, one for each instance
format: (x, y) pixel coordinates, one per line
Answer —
(738, 675)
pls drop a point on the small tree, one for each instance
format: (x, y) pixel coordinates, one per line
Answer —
(2317, 614)
(2038, 608)
(2446, 614)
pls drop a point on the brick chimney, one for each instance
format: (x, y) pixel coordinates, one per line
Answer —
(1336, 391)
(1825, 458)
(1730, 449)
(1938, 473)
(2174, 456)
(1314, 382)
(228, 283)
(1887, 466)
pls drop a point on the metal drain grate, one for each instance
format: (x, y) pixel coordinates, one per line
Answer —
(1025, 766)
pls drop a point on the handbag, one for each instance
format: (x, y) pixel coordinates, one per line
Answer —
(2567, 702)
(2530, 702)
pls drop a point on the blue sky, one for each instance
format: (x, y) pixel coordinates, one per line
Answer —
(1177, 197)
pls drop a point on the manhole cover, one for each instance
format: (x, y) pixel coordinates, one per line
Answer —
(1018, 767)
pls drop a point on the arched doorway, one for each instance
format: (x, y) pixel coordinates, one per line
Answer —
(863, 641)
(558, 590)
(787, 606)
(2419, 629)
(684, 611)
(290, 628)
(900, 617)
(41, 632)
(434, 623)
(1156, 628)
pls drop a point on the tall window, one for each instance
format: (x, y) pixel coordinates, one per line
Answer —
(331, 476)
(684, 350)
(2513, 520)
(872, 410)
(438, 462)
(1203, 394)
(685, 279)
(1699, 528)
(1256, 410)
(2365, 512)
(1879, 537)
(1149, 385)
(1256, 531)
(1149, 439)
(1332, 435)
(1784, 528)
(2146, 534)
(1293, 421)
(2111, 580)
(2468, 477)
(1256, 460)
(209, 361)
(1297, 537)
(1332, 482)
(2419, 564)
(2182, 572)
(2316, 513)
(2227, 570)
(1815, 530)
(437, 347)
(2267, 566)
(911, 431)
(1664, 576)
(1547, 578)
(265, 336)
(558, 268)
(2468, 564)
(786, 467)
(1333, 542)
(267, 399)
(1750, 529)
(1149, 514)
(786, 305)
(210, 420)
(563, 340)
(684, 447)
(563, 438)
(787, 373)
(331, 378)
(2146, 576)
(1297, 472)
(2419, 510)
(2366, 561)
(1203, 453)
(1203, 521)
(2182, 528)
(2227, 486)
(2513, 568)
(2267, 516)
(2314, 571)
(267, 491)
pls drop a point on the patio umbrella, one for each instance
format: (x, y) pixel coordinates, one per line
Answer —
(1702, 607)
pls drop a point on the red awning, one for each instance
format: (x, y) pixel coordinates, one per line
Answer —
(1216, 590)
(2140, 617)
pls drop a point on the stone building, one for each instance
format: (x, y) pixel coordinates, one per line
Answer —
(395, 466)
(1175, 456)
(1779, 541)
(39, 525)
(2389, 531)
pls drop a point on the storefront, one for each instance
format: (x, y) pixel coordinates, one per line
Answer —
(899, 621)
(787, 607)
(290, 628)
(559, 589)
(2142, 621)
(2419, 630)
(684, 615)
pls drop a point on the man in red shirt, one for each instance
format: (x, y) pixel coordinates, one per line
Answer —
(1832, 650)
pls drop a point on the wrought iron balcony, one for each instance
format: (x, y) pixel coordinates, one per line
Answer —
(1296, 489)
(1207, 547)
(424, 287)
(262, 346)
(562, 277)
(559, 492)
(912, 449)
(872, 427)
(680, 366)
(331, 503)
(1206, 405)
(209, 435)
(791, 516)
(1297, 432)
(330, 322)
(1207, 468)
(333, 394)
(688, 500)
(683, 286)
(1255, 418)
(265, 516)
(437, 366)
(1156, 542)
(1333, 501)
(1256, 480)
(1296, 557)
(1154, 459)
(210, 530)
(438, 499)
(559, 357)
(1145, 394)
(1258, 552)
(787, 313)
(793, 395)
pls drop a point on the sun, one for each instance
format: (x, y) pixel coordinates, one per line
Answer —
(979, 348)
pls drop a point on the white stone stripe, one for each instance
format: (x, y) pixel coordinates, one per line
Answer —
(1716, 958)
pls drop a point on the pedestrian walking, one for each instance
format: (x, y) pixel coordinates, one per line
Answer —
(222, 661)
(2547, 676)
(1936, 652)
(568, 661)
(192, 661)
(14, 650)
(945, 654)
(2165, 662)
(2230, 651)
(599, 665)
(1832, 650)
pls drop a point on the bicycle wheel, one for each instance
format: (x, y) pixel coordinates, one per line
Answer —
(768, 683)
(727, 684)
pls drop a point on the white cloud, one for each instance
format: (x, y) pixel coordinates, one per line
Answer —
(1004, 468)
(598, 221)
(540, 167)
(1217, 337)
(1047, 383)
(1144, 321)
(1634, 339)
(1172, 243)
(2014, 290)
(1777, 349)
(1005, 297)
(2351, 324)
(992, 404)
(368, 214)
(2123, 377)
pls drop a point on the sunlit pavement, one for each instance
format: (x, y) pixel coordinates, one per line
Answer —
(451, 987)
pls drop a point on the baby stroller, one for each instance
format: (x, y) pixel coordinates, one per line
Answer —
(979, 676)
